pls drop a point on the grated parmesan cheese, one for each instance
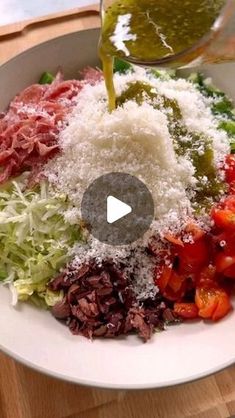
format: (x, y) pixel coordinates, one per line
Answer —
(133, 139)
(138, 265)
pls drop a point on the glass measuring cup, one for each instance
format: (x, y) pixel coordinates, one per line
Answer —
(218, 45)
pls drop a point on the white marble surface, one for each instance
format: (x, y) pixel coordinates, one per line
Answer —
(12, 11)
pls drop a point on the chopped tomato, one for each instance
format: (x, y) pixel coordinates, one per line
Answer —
(222, 237)
(205, 301)
(229, 241)
(193, 257)
(186, 310)
(207, 276)
(224, 214)
(175, 281)
(225, 243)
(229, 203)
(230, 272)
(170, 294)
(224, 261)
(174, 240)
(224, 218)
(171, 285)
(212, 302)
(230, 168)
(232, 187)
(193, 229)
(163, 277)
(201, 267)
(223, 306)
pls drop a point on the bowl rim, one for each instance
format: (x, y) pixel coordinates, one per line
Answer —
(41, 44)
(113, 386)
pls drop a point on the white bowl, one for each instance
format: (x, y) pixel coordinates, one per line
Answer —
(180, 354)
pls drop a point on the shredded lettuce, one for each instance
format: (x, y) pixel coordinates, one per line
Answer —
(51, 298)
(34, 238)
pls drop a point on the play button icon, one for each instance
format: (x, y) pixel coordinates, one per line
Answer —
(117, 208)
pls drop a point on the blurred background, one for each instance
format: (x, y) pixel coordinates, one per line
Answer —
(12, 11)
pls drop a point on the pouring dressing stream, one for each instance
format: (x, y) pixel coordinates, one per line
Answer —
(159, 33)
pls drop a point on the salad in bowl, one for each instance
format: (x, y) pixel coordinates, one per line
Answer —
(174, 134)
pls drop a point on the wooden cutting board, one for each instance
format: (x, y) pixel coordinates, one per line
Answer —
(27, 394)
(18, 37)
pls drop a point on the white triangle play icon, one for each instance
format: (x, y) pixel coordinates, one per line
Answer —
(116, 209)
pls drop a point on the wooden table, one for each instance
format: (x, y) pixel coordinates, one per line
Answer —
(28, 394)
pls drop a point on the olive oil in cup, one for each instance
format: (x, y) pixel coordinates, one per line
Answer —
(164, 33)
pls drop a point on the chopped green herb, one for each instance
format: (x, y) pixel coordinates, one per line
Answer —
(196, 78)
(121, 66)
(205, 86)
(163, 74)
(46, 78)
(224, 106)
(232, 147)
(228, 126)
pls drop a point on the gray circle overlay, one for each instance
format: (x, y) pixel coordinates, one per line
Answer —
(129, 190)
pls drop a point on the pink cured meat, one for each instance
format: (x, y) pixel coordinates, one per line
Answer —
(63, 90)
(91, 75)
(32, 94)
(30, 128)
